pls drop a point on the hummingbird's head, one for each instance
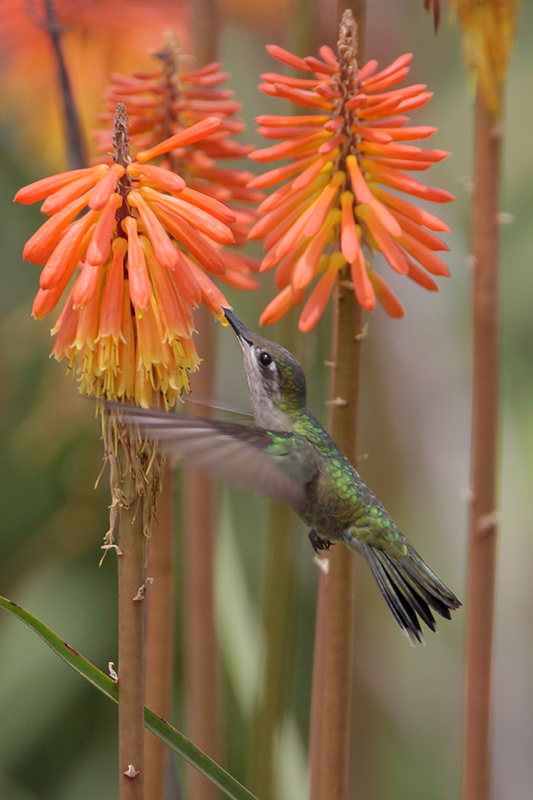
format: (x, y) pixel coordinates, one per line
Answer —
(276, 381)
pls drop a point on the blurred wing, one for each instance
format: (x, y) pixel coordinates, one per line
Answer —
(234, 412)
(278, 465)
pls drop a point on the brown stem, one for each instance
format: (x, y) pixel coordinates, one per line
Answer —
(160, 627)
(131, 588)
(334, 637)
(483, 524)
(206, 28)
(332, 685)
(200, 639)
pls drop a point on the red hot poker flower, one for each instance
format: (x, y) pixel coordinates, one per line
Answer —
(126, 328)
(347, 156)
(168, 101)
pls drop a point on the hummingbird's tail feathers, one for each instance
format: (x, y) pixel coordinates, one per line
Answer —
(410, 589)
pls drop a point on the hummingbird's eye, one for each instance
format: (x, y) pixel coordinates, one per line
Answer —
(265, 358)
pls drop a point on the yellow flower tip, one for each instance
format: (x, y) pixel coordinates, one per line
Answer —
(212, 298)
(44, 303)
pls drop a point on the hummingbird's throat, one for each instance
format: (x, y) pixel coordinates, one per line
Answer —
(264, 391)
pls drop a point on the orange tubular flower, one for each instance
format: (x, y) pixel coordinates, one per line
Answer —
(126, 328)
(346, 156)
(165, 103)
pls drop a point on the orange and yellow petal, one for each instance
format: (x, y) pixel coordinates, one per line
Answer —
(139, 280)
(318, 300)
(355, 145)
(98, 250)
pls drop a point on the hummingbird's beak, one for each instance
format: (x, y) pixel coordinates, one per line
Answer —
(239, 327)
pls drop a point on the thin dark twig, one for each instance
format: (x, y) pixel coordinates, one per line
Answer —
(75, 143)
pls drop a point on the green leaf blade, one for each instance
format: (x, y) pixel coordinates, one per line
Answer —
(160, 727)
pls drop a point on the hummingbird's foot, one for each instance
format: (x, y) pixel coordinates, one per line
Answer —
(318, 543)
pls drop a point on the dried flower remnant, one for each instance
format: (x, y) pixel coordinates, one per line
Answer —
(488, 33)
(141, 248)
(433, 7)
(346, 155)
(167, 101)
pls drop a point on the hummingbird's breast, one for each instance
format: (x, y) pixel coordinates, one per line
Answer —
(336, 497)
(331, 499)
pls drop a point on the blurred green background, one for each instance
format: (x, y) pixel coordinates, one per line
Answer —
(58, 735)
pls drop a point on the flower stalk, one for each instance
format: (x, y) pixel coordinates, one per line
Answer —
(483, 523)
(488, 31)
(334, 637)
(160, 632)
(134, 480)
(334, 644)
(131, 661)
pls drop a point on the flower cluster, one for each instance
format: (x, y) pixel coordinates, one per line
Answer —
(346, 155)
(138, 234)
(167, 101)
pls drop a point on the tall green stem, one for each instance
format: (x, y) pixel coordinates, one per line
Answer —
(483, 521)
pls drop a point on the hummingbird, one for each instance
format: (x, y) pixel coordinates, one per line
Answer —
(289, 456)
